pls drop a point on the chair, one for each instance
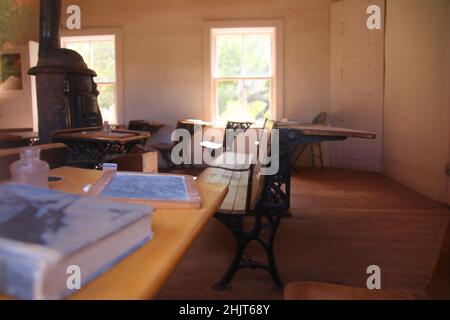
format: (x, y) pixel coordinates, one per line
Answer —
(438, 287)
(320, 119)
(165, 149)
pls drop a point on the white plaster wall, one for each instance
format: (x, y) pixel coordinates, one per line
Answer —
(415, 121)
(162, 56)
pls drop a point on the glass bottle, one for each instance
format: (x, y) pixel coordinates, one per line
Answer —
(106, 127)
(30, 169)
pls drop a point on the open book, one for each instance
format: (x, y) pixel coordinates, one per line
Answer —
(45, 235)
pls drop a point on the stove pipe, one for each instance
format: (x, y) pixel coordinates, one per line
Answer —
(50, 17)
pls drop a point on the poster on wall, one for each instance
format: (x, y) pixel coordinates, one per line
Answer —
(11, 72)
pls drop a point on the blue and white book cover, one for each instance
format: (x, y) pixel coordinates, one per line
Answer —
(39, 227)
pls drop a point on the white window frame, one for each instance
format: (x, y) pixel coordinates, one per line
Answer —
(210, 28)
(118, 39)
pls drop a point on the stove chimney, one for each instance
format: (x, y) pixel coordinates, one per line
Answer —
(50, 16)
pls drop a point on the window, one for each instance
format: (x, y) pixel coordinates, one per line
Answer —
(99, 53)
(243, 70)
(242, 73)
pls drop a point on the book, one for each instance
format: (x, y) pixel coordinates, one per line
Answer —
(44, 234)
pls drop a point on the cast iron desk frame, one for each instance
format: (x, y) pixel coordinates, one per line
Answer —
(272, 206)
(91, 152)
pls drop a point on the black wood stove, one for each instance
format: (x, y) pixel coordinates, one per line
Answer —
(66, 91)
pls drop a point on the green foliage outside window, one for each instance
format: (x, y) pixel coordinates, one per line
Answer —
(100, 56)
(243, 85)
(106, 98)
(104, 61)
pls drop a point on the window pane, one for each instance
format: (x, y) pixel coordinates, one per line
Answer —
(104, 61)
(257, 99)
(229, 55)
(229, 99)
(257, 55)
(107, 102)
(82, 48)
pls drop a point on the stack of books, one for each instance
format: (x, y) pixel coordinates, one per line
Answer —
(53, 243)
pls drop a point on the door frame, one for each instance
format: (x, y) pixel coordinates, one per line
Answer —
(446, 180)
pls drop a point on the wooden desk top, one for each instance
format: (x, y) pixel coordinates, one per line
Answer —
(9, 130)
(192, 122)
(16, 151)
(321, 130)
(142, 274)
(17, 136)
(97, 134)
(8, 137)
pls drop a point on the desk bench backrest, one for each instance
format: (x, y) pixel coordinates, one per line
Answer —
(257, 181)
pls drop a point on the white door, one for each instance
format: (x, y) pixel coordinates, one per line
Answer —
(357, 84)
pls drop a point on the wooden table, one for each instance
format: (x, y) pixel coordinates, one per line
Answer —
(91, 147)
(325, 131)
(190, 124)
(15, 139)
(194, 122)
(142, 274)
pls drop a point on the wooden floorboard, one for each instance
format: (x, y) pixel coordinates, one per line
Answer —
(342, 222)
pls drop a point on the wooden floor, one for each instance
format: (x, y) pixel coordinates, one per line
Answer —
(343, 222)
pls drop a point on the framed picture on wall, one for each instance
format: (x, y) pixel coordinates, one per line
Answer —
(11, 77)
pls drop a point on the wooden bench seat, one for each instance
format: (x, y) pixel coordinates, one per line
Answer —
(233, 161)
(237, 182)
